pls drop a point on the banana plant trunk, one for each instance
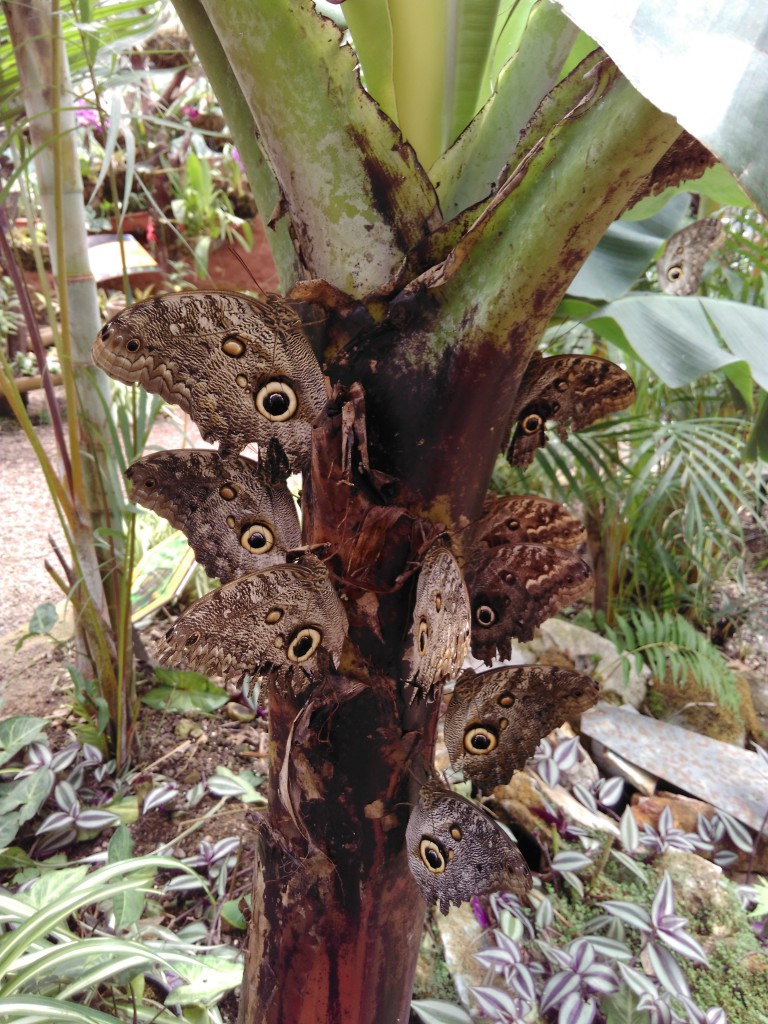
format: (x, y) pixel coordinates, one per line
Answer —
(425, 325)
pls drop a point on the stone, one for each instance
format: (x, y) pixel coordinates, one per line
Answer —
(685, 811)
(526, 793)
(701, 894)
(462, 937)
(611, 763)
(596, 655)
(731, 779)
(689, 704)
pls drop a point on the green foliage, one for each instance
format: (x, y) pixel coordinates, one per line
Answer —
(184, 691)
(761, 907)
(58, 949)
(204, 211)
(664, 499)
(673, 648)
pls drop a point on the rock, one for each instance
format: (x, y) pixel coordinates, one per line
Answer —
(758, 686)
(462, 937)
(597, 656)
(693, 706)
(611, 763)
(238, 712)
(432, 979)
(731, 779)
(518, 798)
(576, 812)
(685, 811)
(525, 794)
(701, 894)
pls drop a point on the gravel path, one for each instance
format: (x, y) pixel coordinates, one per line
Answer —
(29, 517)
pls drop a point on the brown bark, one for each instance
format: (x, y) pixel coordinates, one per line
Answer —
(337, 918)
(337, 915)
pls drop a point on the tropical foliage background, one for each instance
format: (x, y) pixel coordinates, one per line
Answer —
(122, 120)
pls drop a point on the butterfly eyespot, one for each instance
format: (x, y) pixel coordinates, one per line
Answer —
(233, 346)
(191, 639)
(513, 524)
(423, 635)
(432, 856)
(241, 380)
(273, 615)
(506, 700)
(561, 385)
(303, 644)
(485, 615)
(227, 492)
(531, 423)
(257, 537)
(456, 832)
(149, 482)
(105, 332)
(231, 522)
(674, 273)
(503, 724)
(277, 401)
(438, 602)
(133, 345)
(479, 739)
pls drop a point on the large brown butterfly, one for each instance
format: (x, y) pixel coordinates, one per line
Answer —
(515, 587)
(525, 519)
(681, 266)
(242, 368)
(438, 640)
(457, 851)
(496, 719)
(575, 390)
(281, 619)
(235, 522)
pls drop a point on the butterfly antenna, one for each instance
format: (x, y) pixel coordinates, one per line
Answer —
(239, 257)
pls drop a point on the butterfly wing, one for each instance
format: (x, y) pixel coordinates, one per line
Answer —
(234, 522)
(242, 368)
(681, 266)
(457, 851)
(281, 618)
(515, 587)
(575, 390)
(495, 720)
(438, 640)
(526, 518)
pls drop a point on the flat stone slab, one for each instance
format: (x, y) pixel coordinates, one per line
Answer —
(732, 779)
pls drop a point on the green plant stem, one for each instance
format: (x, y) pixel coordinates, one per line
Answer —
(65, 354)
(30, 321)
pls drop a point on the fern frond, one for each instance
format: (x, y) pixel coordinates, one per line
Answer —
(672, 647)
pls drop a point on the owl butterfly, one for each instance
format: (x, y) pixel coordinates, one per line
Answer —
(525, 518)
(681, 266)
(242, 368)
(234, 521)
(496, 719)
(457, 851)
(515, 587)
(279, 619)
(568, 389)
(438, 640)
